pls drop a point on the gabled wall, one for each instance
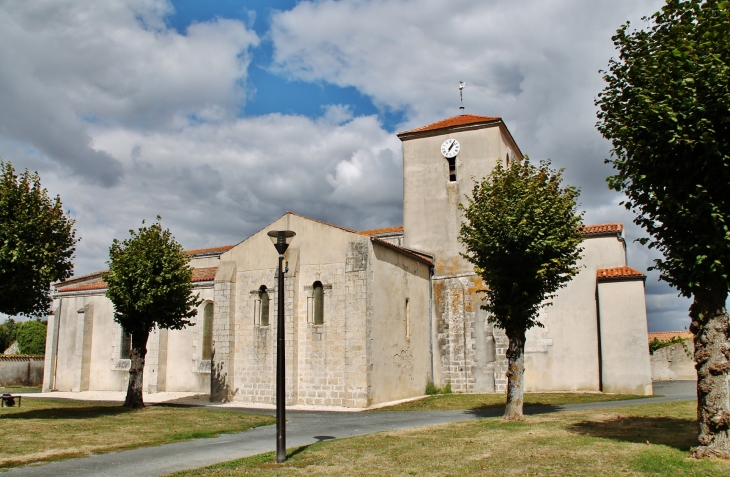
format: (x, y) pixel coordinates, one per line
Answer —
(564, 354)
(400, 361)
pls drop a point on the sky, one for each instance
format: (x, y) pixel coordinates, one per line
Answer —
(221, 115)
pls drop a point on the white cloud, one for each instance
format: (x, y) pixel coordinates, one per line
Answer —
(217, 183)
(102, 94)
(535, 63)
(68, 64)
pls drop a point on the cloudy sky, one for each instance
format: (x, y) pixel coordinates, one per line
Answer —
(221, 115)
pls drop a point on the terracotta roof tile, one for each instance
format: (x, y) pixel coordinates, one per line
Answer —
(93, 285)
(223, 248)
(618, 272)
(461, 120)
(21, 357)
(603, 229)
(382, 231)
(204, 274)
(199, 275)
(668, 335)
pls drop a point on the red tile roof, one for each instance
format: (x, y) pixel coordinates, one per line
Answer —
(603, 229)
(618, 272)
(461, 120)
(93, 285)
(199, 275)
(668, 335)
(21, 357)
(221, 249)
(382, 231)
(204, 274)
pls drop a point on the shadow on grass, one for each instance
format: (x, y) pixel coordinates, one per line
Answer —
(68, 413)
(678, 433)
(497, 410)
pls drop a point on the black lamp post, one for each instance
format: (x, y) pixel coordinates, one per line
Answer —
(281, 239)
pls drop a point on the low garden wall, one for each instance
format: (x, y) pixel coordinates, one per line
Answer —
(20, 370)
(674, 363)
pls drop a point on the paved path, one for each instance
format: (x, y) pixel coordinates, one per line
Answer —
(303, 428)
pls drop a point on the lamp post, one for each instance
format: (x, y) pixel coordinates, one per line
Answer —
(281, 240)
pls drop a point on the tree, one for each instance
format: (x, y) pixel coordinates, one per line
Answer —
(149, 284)
(32, 337)
(666, 110)
(37, 243)
(8, 332)
(522, 234)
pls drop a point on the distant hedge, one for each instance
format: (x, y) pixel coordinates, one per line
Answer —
(31, 337)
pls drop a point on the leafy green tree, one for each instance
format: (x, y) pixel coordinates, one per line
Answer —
(666, 110)
(149, 284)
(8, 332)
(37, 243)
(32, 337)
(523, 235)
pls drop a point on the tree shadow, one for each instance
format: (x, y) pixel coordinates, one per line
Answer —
(674, 432)
(496, 410)
(90, 412)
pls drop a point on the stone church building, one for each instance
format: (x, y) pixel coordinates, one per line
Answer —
(371, 316)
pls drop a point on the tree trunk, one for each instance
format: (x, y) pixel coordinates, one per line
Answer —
(712, 350)
(136, 371)
(515, 376)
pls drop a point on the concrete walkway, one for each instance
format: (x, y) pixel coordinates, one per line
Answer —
(303, 428)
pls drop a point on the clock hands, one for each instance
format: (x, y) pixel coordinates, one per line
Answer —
(452, 145)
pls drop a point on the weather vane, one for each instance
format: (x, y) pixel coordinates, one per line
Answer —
(461, 97)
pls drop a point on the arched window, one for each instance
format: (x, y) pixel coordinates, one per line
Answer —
(264, 308)
(408, 318)
(125, 346)
(208, 331)
(506, 160)
(318, 303)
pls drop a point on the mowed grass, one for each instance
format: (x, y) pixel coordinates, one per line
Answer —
(47, 429)
(21, 389)
(459, 402)
(646, 440)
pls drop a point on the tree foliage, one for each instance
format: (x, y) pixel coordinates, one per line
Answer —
(8, 332)
(149, 281)
(31, 337)
(522, 233)
(149, 284)
(666, 110)
(37, 243)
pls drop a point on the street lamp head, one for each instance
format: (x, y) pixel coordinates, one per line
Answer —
(281, 239)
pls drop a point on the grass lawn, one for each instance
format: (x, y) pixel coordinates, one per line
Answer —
(48, 429)
(458, 402)
(646, 440)
(21, 389)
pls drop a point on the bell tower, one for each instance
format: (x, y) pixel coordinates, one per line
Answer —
(440, 163)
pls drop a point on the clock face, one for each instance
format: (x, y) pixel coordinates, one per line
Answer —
(450, 148)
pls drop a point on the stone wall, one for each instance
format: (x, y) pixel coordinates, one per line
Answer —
(674, 363)
(470, 352)
(19, 370)
(325, 364)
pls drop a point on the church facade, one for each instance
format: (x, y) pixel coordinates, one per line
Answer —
(371, 316)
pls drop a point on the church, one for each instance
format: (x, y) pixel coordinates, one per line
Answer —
(371, 316)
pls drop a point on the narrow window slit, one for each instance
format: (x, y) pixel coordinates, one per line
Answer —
(452, 169)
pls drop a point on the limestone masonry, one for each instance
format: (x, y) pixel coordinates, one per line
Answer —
(370, 316)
